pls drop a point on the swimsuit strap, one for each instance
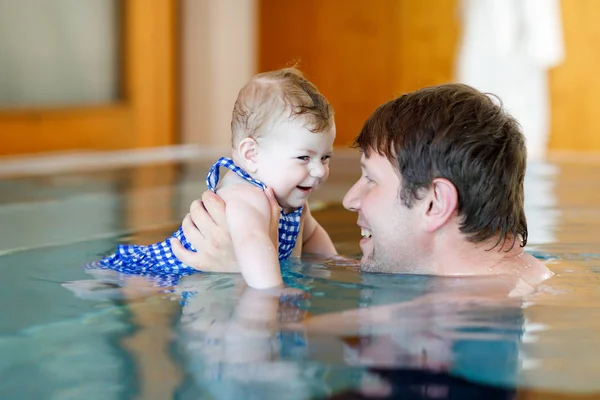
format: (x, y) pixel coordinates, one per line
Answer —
(212, 179)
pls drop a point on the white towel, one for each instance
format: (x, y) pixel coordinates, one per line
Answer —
(507, 47)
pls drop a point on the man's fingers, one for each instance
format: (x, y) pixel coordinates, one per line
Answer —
(215, 207)
(208, 216)
(191, 259)
(191, 232)
(200, 217)
(185, 256)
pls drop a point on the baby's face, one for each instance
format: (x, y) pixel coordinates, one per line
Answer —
(294, 161)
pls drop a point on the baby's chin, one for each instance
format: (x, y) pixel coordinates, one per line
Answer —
(291, 205)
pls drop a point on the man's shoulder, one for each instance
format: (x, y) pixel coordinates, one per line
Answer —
(533, 271)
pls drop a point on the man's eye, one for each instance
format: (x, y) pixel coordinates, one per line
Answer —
(304, 158)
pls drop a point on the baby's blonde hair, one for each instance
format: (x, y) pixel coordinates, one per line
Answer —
(272, 95)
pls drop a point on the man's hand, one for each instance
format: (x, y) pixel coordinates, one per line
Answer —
(205, 227)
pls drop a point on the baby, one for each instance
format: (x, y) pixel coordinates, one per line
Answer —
(282, 137)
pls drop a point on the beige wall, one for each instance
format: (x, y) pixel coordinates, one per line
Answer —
(218, 58)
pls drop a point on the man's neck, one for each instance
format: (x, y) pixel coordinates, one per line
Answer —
(456, 256)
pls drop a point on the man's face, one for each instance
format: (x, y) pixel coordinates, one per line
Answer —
(389, 229)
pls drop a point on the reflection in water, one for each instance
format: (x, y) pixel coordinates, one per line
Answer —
(235, 341)
(233, 344)
(399, 383)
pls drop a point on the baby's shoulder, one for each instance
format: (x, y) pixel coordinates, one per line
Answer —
(243, 191)
(232, 182)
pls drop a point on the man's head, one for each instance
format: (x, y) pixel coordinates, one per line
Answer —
(282, 134)
(456, 162)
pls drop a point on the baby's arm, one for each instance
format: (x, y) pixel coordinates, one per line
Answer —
(248, 216)
(314, 238)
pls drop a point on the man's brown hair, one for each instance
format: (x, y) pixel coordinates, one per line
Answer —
(284, 93)
(455, 132)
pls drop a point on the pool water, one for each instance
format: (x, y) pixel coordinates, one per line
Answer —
(71, 333)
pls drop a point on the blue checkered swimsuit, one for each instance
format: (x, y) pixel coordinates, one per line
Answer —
(158, 258)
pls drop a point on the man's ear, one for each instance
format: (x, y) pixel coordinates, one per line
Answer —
(248, 151)
(442, 204)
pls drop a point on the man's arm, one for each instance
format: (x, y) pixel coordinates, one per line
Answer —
(205, 227)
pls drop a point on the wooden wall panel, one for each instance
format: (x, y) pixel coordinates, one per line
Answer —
(575, 85)
(426, 37)
(347, 51)
(362, 54)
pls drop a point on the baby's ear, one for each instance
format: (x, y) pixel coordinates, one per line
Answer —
(248, 150)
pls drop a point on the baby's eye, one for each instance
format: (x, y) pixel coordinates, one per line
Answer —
(369, 180)
(326, 158)
(304, 158)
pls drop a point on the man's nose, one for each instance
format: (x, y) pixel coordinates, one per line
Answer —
(351, 200)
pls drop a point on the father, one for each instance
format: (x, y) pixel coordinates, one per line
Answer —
(441, 192)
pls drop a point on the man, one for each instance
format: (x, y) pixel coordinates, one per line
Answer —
(441, 192)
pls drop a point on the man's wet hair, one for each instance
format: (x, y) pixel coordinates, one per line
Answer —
(458, 133)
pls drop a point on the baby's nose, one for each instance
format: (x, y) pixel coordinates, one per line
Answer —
(317, 170)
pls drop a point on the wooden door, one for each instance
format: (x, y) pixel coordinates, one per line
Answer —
(343, 49)
(142, 115)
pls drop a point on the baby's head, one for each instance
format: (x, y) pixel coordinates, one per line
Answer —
(282, 134)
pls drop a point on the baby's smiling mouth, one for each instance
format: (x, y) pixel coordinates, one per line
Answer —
(305, 188)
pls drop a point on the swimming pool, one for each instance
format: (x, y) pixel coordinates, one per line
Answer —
(68, 334)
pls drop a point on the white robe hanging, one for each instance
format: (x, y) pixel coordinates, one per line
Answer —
(507, 47)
